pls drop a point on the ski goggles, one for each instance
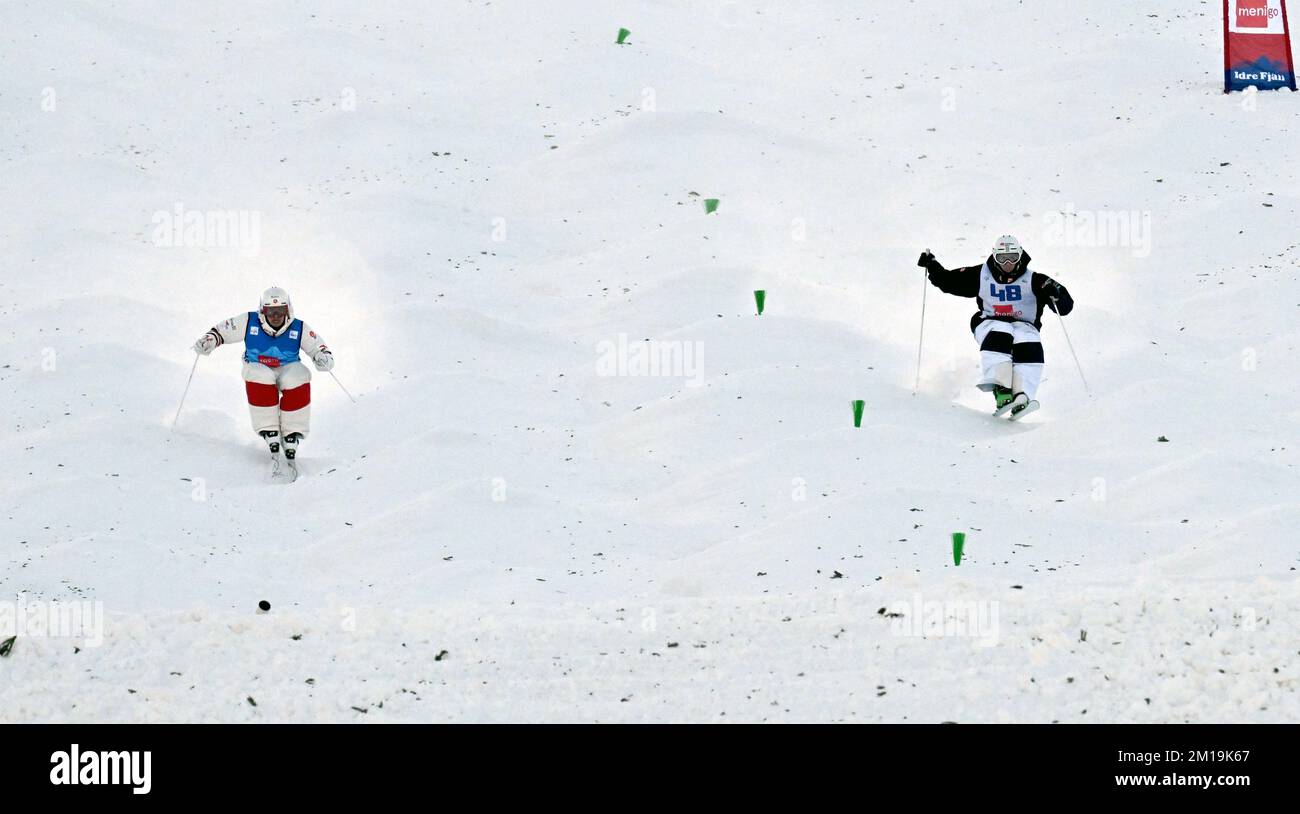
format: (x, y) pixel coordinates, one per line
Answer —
(281, 311)
(1002, 258)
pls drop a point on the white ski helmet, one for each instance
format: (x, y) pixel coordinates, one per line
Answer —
(276, 297)
(1006, 254)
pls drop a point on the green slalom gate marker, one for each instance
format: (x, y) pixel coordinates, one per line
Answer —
(759, 297)
(858, 407)
(710, 205)
(623, 34)
(958, 543)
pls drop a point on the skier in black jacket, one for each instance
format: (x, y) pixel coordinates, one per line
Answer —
(1011, 298)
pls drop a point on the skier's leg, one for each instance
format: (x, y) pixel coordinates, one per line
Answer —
(995, 341)
(1026, 360)
(295, 399)
(263, 399)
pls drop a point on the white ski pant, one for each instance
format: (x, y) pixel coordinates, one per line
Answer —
(279, 398)
(1011, 354)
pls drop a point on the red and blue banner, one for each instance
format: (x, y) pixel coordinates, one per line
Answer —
(1256, 46)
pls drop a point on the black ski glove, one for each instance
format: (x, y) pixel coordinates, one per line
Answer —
(925, 259)
(1059, 299)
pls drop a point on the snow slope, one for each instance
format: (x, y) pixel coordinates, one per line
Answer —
(474, 201)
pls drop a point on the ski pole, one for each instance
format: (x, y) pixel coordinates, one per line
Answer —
(340, 384)
(1070, 345)
(187, 391)
(921, 338)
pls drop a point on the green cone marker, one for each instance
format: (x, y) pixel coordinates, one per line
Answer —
(623, 34)
(710, 205)
(858, 407)
(958, 543)
(759, 297)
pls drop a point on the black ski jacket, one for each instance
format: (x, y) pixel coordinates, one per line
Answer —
(965, 282)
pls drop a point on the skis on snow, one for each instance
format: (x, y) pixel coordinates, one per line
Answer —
(283, 470)
(1017, 408)
(1024, 410)
(284, 464)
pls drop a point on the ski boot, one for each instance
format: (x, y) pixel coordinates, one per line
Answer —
(291, 451)
(291, 445)
(272, 439)
(1021, 406)
(1004, 399)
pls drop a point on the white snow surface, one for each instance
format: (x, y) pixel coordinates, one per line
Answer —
(468, 198)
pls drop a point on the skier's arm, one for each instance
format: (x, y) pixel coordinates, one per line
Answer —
(230, 330)
(962, 282)
(1058, 299)
(311, 344)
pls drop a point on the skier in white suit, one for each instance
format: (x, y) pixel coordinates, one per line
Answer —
(277, 382)
(1011, 297)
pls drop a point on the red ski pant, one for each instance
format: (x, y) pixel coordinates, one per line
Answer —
(279, 398)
